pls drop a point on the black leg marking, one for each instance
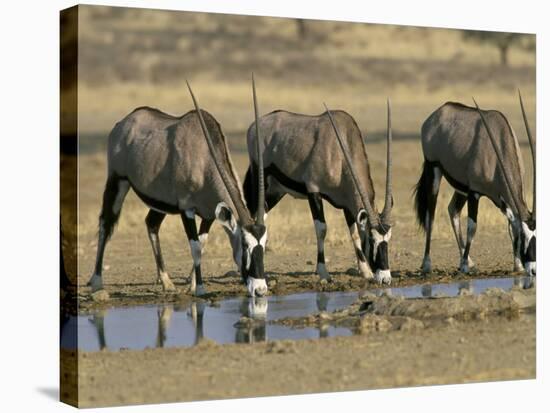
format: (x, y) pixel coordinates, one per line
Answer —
(153, 221)
(115, 191)
(455, 207)
(316, 207)
(434, 173)
(473, 205)
(204, 228)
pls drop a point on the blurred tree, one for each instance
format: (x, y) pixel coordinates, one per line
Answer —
(503, 41)
(301, 28)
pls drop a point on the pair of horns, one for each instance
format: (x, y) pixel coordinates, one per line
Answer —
(373, 218)
(242, 211)
(502, 164)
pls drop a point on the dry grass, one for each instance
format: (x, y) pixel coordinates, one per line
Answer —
(132, 57)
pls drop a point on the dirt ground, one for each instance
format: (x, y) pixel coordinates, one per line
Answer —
(425, 348)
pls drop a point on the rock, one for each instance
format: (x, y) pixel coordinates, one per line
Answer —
(281, 347)
(323, 315)
(409, 324)
(309, 262)
(373, 322)
(494, 291)
(352, 271)
(231, 273)
(463, 292)
(272, 283)
(100, 296)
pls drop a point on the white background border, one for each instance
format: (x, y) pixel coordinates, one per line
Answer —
(30, 191)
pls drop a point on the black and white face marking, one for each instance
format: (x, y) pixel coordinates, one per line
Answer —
(528, 251)
(224, 215)
(378, 246)
(254, 238)
(380, 238)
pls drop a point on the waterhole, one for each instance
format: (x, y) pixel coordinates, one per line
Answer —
(173, 325)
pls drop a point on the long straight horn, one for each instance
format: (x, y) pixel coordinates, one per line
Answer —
(533, 154)
(226, 181)
(386, 212)
(372, 217)
(260, 156)
(500, 161)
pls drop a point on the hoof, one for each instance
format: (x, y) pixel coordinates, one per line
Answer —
(96, 282)
(383, 277)
(426, 267)
(167, 284)
(464, 267)
(200, 290)
(365, 271)
(321, 270)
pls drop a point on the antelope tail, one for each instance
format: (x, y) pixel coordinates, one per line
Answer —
(423, 192)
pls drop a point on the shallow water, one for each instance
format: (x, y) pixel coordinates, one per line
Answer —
(171, 325)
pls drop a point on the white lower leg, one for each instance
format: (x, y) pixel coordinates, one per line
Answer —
(167, 284)
(465, 261)
(196, 252)
(321, 232)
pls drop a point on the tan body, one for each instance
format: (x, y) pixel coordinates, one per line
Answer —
(478, 153)
(166, 159)
(454, 137)
(306, 150)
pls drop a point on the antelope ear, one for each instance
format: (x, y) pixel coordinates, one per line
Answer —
(225, 216)
(362, 219)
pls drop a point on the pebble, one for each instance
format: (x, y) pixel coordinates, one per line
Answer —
(352, 271)
(100, 296)
(231, 273)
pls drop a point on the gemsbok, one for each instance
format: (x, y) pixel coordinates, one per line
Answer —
(175, 170)
(478, 153)
(305, 156)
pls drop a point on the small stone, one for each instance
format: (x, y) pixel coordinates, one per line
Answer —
(231, 273)
(100, 296)
(106, 267)
(272, 283)
(309, 262)
(281, 347)
(375, 323)
(323, 315)
(449, 321)
(461, 340)
(411, 324)
(352, 271)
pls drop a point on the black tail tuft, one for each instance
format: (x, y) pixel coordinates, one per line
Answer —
(423, 192)
(250, 191)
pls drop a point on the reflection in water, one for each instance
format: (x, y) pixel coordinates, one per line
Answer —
(241, 320)
(255, 308)
(321, 300)
(426, 290)
(98, 320)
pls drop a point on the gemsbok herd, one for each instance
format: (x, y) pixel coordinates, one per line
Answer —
(182, 165)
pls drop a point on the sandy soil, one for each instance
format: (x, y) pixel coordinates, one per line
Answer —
(458, 353)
